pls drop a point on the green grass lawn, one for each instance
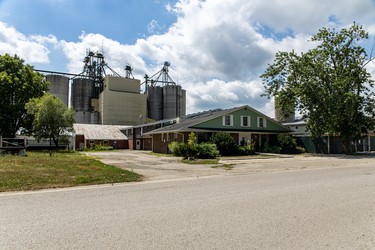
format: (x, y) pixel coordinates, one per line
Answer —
(41, 170)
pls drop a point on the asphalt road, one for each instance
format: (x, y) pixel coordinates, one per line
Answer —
(327, 208)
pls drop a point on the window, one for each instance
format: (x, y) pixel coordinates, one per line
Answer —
(262, 123)
(245, 121)
(228, 120)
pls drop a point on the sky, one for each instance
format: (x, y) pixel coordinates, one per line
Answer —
(217, 48)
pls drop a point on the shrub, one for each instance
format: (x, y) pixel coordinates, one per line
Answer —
(207, 151)
(178, 149)
(182, 149)
(193, 150)
(300, 150)
(225, 143)
(271, 149)
(173, 147)
(192, 146)
(246, 150)
(288, 145)
(98, 147)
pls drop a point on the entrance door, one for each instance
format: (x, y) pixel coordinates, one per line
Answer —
(138, 144)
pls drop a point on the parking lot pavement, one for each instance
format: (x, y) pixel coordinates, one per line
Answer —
(154, 167)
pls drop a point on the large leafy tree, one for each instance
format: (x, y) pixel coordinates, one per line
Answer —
(18, 84)
(51, 118)
(328, 85)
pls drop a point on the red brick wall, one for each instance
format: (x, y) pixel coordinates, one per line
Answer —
(147, 144)
(79, 139)
(159, 145)
(119, 144)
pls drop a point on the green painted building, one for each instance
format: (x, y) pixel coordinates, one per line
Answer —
(244, 124)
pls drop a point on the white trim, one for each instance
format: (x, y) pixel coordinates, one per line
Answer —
(248, 121)
(231, 120)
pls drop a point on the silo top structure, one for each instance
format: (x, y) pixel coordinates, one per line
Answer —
(165, 99)
(160, 78)
(129, 71)
(94, 69)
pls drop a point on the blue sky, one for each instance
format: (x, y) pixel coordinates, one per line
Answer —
(217, 48)
(120, 20)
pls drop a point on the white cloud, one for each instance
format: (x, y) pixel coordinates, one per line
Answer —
(308, 16)
(116, 55)
(33, 49)
(217, 48)
(154, 27)
(220, 94)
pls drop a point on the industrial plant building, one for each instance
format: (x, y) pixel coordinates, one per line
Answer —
(110, 99)
(121, 103)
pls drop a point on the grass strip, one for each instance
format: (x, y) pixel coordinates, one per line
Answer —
(41, 170)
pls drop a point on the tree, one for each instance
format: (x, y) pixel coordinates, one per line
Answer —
(328, 85)
(18, 84)
(51, 118)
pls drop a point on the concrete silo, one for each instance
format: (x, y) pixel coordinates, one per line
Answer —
(155, 102)
(182, 107)
(171, 101)
(59, 87)
(82, 90)
(165, 99)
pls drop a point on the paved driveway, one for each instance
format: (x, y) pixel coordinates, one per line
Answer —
(154, 167)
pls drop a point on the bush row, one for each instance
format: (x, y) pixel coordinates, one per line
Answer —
(201, 151)
(286, 144)
(220, 144)
(224, 144)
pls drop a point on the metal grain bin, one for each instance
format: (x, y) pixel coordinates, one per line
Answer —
(155, 103)
(170, 101)
(81, 94)
(59, 87)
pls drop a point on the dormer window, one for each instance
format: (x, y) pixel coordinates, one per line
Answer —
(262, 123)
(245, 121)
(228, 120)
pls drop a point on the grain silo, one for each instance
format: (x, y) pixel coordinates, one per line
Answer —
(59, 87)
(168, 100)
(155, 102)
(172, 98)
(182, 107)
(82, 90)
